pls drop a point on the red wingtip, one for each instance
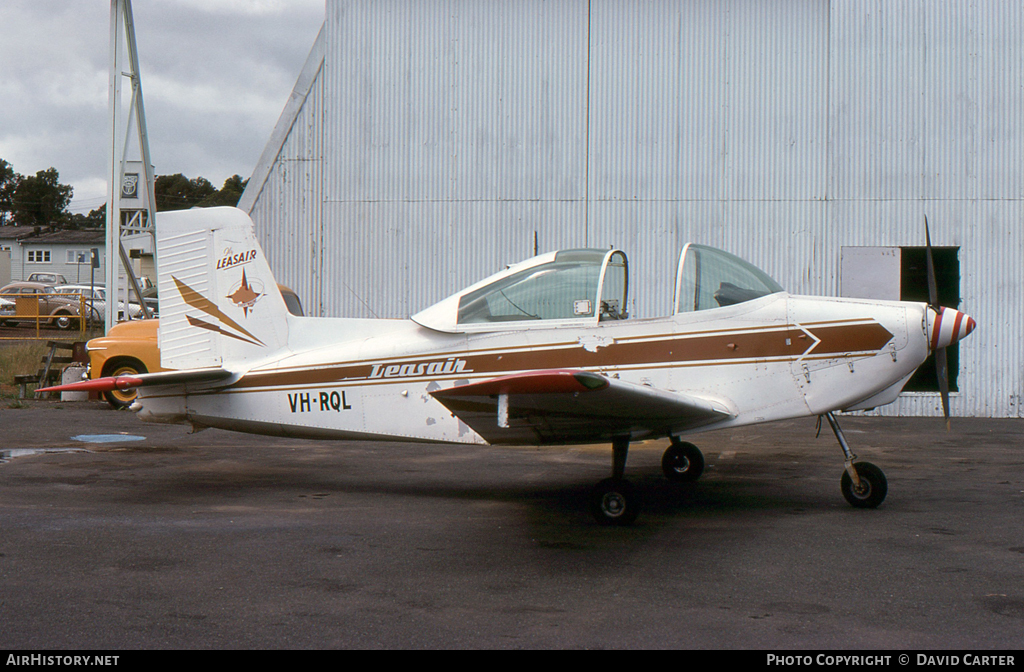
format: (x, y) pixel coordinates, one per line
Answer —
(97, 385)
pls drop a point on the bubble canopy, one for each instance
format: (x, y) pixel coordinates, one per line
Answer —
(576, 286)
(587, 286)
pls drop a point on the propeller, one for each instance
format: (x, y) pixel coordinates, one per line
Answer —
(946, 326)
(941, 360)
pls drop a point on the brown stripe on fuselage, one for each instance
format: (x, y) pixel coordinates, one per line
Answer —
(786, 343)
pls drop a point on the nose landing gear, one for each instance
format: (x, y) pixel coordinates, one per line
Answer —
(863, 484)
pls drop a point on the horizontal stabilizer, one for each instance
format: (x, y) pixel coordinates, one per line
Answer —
(573, 406)
(128, 382)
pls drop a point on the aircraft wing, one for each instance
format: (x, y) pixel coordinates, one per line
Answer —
(574, 406)
(127, 382)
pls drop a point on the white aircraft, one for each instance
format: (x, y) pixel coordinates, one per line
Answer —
(540, 353)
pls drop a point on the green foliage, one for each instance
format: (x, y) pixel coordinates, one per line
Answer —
(35, 200)
(96, 219)
(228, 194)
(8, 184)
(177, 192)
(41, 200)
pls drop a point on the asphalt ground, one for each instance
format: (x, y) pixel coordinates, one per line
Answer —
(218, 540)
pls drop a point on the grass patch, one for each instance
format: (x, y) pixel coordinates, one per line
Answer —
(17, 359)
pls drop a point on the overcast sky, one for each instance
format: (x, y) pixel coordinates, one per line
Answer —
(216, 75)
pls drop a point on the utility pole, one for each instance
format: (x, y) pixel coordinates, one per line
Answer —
(134, 188)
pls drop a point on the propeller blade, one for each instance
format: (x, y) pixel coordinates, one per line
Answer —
(941, 362)
(933, 291)
(942, 373)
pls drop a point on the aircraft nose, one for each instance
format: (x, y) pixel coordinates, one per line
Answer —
(946, 326)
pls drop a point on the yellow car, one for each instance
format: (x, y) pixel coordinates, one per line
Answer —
(130, 347)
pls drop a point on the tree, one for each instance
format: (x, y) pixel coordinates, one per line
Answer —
(228, 194)
(96, 219)
(177, 192)
(8, 184)
(41, 200)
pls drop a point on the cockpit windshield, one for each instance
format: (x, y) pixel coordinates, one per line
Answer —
(710, 278)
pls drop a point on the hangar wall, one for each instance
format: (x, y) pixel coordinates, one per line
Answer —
(429, 143)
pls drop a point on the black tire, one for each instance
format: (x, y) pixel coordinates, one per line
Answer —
(65, 321)
(874, 487)
(614, 501)
(682, 462)
(123, 366)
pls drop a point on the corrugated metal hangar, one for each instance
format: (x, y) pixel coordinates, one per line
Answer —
(428, 144)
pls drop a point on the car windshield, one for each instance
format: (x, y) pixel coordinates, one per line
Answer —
(710, 278)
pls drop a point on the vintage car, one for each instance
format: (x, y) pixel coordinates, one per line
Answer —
(7, 309)
(131, 347)
(96, 299)
(53, 309)
(47, 278)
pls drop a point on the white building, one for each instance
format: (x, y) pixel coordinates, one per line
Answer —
(67, 253)
(427, 144)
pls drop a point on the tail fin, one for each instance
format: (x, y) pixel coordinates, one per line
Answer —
(219, 302)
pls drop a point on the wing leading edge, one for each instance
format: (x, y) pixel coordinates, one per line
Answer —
(574, 406)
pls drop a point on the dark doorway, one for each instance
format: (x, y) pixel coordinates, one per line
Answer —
(914, 287)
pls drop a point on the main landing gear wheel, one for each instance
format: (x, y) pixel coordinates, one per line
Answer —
(614, 501)
(873, 486)
(683, 462)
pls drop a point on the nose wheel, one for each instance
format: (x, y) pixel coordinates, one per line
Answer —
(872, 487)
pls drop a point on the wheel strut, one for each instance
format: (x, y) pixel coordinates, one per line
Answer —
(850, 457)
(620, 450)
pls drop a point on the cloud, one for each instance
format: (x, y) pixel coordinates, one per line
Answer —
(215, 75)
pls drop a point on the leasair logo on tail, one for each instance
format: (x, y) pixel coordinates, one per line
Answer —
(245, 294)
(200, 302)
(229, 259)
